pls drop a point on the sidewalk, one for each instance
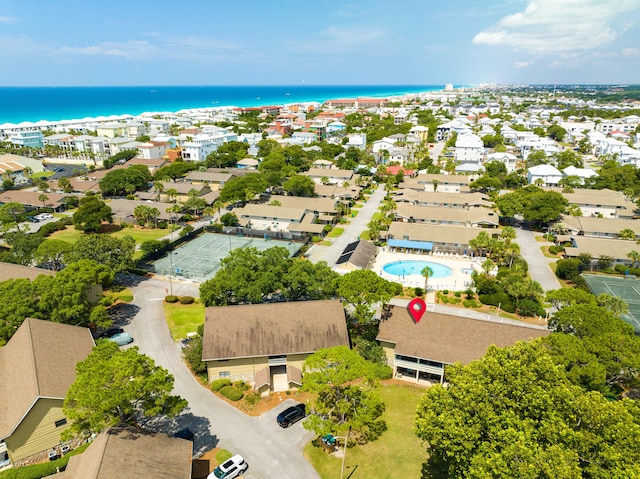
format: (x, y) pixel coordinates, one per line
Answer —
(352, 231)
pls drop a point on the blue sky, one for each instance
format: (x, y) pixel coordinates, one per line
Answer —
(465, 42)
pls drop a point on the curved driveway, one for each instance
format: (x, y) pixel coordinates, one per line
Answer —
(269, 450)
(538, 263)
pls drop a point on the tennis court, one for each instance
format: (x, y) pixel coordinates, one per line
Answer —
(199, 259)
(625, 288)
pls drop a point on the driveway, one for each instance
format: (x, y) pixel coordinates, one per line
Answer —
(538, 263)
(269, 450)
(352, 231)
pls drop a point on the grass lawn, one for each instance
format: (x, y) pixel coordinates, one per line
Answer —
(125, 295)
(71, 235)
(141, 235)
(354, 213)
(183, 318)
(335, 232)
(397, 453)
(365, 235)
(42, 174)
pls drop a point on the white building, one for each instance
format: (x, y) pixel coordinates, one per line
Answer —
(510, 161)
(469, 149)
(548, 175)
(582, 173)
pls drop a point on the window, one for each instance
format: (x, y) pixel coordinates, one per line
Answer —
(61, 422)
(224, 374)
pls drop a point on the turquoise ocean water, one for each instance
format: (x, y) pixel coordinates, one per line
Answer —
(19, 104)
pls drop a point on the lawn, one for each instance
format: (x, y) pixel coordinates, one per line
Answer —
(183, 318)
(397, 453)
(141, 235)
(125, 295)
(72, 235)
(42, 174)
(335, 232)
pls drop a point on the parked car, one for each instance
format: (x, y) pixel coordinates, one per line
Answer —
(33, 219)
(117, 335)
(291, 415)
(230, 468)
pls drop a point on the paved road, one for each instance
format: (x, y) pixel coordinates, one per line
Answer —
(538, 264)
(352, 231)
(269, 450)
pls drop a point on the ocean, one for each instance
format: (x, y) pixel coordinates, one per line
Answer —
(18, 104)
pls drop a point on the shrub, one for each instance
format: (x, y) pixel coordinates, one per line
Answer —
(469, 293)
(107, 301)
(216, 227)
(241, 385)
(170, 298)
(445, 292)
(218, 384)
(529, 307)
(162, 225)
(252, 398)
(556, 249)
(470, 303)
(621, 268)
(231, 392)
(193, 354)
(315, 239)
(418, 292)
(382, 371)
(444, 299)
(399, 289)
(457, 294)
(187, 299)
(498, 299)
(567, 268)
(454, 300)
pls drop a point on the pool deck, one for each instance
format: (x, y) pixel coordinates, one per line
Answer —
(457, 281)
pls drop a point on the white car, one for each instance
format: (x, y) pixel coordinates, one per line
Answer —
(230, 468)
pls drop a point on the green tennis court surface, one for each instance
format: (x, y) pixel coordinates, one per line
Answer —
(199, 259)
(625, 288)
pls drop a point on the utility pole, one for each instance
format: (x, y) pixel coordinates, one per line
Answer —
(344, 455)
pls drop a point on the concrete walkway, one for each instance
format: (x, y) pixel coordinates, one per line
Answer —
(538, 263)
(352, 231)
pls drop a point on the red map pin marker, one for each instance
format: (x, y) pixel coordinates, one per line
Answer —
(416, 308)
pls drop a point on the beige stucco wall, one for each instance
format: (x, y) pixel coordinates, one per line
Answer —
(243, 368)
(389, 351)
(37, 432)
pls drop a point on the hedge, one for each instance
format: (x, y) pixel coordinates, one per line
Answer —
(171, 298)
(382, 371)
(218, 384)
(496, 299)
(187, 299)
(231, 392)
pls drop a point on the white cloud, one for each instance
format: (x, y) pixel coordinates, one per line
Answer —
(560, 26)
(132, 49)
(523, 64)
(630, 52)
(6, 19)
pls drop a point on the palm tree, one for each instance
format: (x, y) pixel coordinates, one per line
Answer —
(634, 256)
(43, 198)
(427, 272)
(172, 193)
(153, 213)
(627, 233)
(615, 304)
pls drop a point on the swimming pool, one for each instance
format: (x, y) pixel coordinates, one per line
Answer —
(402, 268)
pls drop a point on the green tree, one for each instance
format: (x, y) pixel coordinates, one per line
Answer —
(227, 154)
(115, 386)
(363, 290)
(115, 253)
(53, 251)
(229, 219)
(65, 185)
(174, 170)
(300, 185)
(125, 180)
(18, 300)
(11, 214)
(556, 132)
(346, 399)
(514, 413)
(92, 211)
(243, 188)
(427, 272)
